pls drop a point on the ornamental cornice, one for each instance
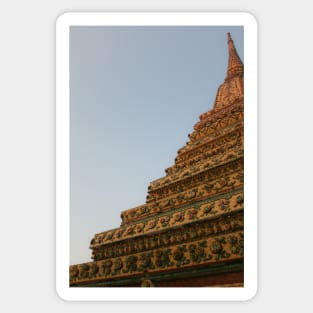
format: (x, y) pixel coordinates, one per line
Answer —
(210, 157)
(209, 251)
(216, 114)
(213, 131)
(167, 237)
(197, 211)
(207, 149)
(212, 181)
(173, 186)
(234, 132)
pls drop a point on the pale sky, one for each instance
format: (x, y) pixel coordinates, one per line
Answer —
(135, 94)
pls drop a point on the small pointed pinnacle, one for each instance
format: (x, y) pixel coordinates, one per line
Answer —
(235, 65)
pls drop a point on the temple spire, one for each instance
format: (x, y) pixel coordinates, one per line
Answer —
(235, 65)
(232, 89)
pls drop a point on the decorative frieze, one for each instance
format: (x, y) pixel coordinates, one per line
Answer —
(204, 251)
(205, 209)
(167, 236)
(215, 158)
(206, 150)
(215, 114)
(208, 130)
(193, 187)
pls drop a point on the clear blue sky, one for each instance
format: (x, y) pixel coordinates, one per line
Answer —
(135, 94)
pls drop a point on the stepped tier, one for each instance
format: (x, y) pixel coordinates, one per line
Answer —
(190, 231)
(219, 179)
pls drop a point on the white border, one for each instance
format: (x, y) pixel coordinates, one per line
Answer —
(62, 155)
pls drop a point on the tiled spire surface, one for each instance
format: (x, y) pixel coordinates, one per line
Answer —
(235, 66)
(232, 90)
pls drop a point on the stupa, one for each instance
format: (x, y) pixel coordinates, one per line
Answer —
(190, 231)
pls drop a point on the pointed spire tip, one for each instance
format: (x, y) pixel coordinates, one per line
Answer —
(235, 65)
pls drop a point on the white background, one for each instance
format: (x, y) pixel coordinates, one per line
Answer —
(27, 167)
